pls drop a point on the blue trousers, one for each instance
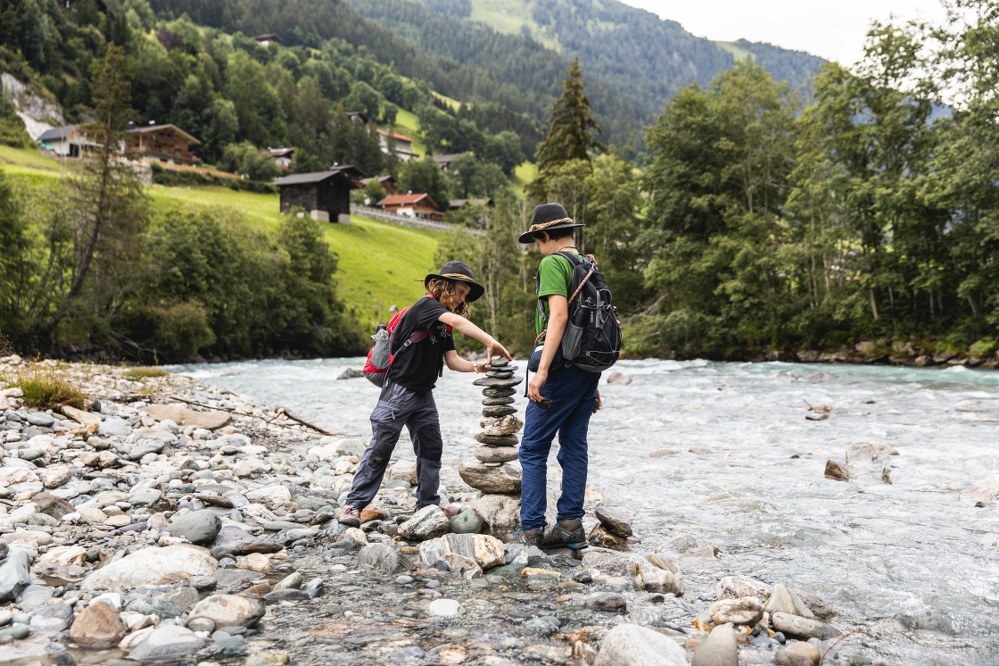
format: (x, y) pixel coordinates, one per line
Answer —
(397, 407)
(573, 393)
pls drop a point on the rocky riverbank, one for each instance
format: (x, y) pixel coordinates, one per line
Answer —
(173, 522)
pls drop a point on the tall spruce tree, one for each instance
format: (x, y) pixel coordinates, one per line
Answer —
(570, 136)
(106, 205)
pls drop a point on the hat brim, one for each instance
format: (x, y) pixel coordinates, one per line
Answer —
(475, 290)
(527, 237)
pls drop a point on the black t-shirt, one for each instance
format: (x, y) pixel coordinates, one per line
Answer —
(418, 367)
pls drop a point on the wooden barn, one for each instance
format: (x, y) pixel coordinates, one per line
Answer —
(325, 195)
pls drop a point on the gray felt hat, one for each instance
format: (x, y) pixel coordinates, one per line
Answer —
(458, 271)
(547, 217)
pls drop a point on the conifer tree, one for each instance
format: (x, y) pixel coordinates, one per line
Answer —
(105, 205)
(570, 136)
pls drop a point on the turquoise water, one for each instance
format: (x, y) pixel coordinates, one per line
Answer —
(722, 455)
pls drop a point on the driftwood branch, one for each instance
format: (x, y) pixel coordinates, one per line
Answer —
(281, 411)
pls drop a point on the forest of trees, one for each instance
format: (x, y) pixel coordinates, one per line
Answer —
(759, 226)
(754, 221)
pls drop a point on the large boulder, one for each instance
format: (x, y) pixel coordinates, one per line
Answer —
(634, 645)
(183, 416)
(486, 551)
(500, 513)
(148, 565)
(229, 610)
(427, 523)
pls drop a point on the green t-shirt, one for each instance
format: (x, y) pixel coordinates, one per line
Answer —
(554, 273)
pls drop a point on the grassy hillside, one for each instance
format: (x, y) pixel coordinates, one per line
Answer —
(737, 52)
(380, 264)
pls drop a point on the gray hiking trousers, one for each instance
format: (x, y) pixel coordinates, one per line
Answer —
(397, 407)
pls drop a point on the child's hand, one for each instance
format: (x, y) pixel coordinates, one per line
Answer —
(496, 349)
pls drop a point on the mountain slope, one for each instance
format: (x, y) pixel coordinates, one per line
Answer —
(632, 60)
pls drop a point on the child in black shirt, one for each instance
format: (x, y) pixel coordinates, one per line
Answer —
(407, 397)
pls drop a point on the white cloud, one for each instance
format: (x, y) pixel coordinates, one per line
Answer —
(834, 30)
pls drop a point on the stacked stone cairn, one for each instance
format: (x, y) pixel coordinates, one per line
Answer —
(495, 472)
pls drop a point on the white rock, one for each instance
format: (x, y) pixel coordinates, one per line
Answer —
(55, 475)
(148, 565)
(61, 556)
(136, 621)
(91, 515)
(112, 599)
(250, 467)
(166, 643)
(444, 608)
(229, 609)
(633, 645)
(10, 476)
(19, 515)
(270, 495)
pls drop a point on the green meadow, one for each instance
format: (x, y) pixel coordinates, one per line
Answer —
(380, 264)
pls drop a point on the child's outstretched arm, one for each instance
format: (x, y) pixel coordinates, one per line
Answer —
(465, 327)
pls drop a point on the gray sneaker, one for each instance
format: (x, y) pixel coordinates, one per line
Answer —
(349, 516)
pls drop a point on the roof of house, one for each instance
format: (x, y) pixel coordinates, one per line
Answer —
(351, 172)
(56, 133)
(280, 152)
(455, 204)
(396, 136)
(143, 129)
(447, 158)
(404, 199)
(379, 179)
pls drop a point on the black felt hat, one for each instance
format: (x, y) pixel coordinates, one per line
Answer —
(458, 271)
(547, 217)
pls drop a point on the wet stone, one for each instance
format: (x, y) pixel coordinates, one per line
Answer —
(498, 392)
(498, 410)
(497, 382)
(496, 454)
(497, 440)
(499, 374)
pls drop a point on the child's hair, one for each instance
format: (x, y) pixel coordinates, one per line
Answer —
(445, 293)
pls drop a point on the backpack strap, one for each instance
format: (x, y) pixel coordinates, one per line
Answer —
(413, 338)
(574, 260)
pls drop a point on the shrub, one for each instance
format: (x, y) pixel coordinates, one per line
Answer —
(138, 374)
(46, 391)
(183, 329)
(982, 347)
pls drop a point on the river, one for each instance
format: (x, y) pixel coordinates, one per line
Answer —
(731, 456)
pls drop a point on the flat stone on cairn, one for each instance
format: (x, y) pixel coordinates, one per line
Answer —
(495, 472)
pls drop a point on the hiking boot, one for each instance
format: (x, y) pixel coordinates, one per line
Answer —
(526, 537)
(349, 516)
(565, 534)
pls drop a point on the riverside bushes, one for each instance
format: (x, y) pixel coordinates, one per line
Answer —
(219, 288)
(200, 282)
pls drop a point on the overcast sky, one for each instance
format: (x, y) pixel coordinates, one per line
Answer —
(833, 29)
